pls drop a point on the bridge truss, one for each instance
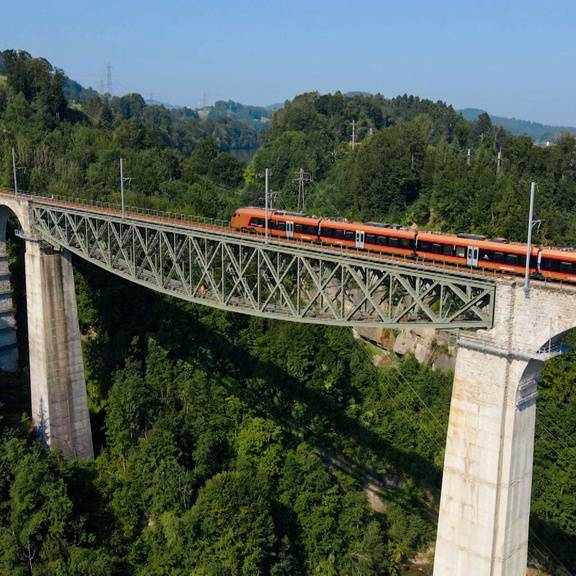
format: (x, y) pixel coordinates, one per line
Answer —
(279, 280)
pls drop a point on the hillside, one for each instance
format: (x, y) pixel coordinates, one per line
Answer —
(217, 434)
(538, 132)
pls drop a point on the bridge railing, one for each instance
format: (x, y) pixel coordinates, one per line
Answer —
(129, 210)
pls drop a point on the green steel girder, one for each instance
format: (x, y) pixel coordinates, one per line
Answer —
(276, 280)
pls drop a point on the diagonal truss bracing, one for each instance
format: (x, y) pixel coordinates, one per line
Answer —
(276, 280)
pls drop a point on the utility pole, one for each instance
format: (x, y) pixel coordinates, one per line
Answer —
(353, 134)
(499, 161)
(468, 157)
(266, 172)
(529, 245)
(302, 178)
(122, 180)
(14, 169)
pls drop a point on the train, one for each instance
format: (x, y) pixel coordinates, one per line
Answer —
(472, 250)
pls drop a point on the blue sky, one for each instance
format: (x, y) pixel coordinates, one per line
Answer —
(513, 58)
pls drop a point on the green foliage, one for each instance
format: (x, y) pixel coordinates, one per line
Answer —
(235, 446)
(44, 526)
(410, 165)
(554, 484)
(71, 150)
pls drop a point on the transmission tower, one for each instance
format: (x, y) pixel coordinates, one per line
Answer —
(109, 78)
(302, 178)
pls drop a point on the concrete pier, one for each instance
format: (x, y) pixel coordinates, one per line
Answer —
(58, 389)
(59, 400)
(485, 505)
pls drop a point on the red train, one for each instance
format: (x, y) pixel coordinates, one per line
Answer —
(464, 249)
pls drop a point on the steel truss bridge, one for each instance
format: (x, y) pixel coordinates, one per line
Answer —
(215, 266)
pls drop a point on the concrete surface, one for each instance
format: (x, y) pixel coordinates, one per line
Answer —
(58, 390)
(485, 504)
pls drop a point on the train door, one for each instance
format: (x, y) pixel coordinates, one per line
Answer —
(472, 255)
(289, 229)
(360, 235)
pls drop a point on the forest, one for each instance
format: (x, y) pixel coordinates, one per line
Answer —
(229, 445)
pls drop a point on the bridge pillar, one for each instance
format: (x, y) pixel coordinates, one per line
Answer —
(483, 524)
(486, 487)
(59, 400)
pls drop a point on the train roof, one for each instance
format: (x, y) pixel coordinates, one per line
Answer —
(369, 227)
(560, 253)
(278, 214)
(495, 244)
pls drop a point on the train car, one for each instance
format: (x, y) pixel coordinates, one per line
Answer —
(291, 225)
(558, 264)
(369, 236)
(476, 251)
(462, 249)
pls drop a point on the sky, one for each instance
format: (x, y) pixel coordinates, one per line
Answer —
(511, 58)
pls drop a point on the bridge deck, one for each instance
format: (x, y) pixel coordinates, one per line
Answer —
(194, 223)
(209, 263)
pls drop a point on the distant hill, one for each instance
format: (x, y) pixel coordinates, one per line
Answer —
(538, 132)
(75, 91)
(258, 117)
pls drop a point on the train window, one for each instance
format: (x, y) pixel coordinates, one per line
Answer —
(437, 248)
(425, 246)
(393, 241)
(298, 228)
(499, 257)
(328, 232)
(310, 229)
(370, 239)
(566, 267)
(339, 234)
(281, 225)
(382, 240)
(350, 235)
(448, 250)
(405, 242)
(258, 222)
(461, 251)
(549, 264)
(513, 259)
